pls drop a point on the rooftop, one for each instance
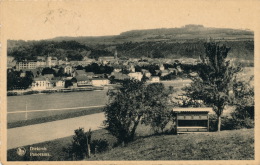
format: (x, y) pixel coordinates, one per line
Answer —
(80, 72)
(40, 78)
(82, 78)
(193, 109)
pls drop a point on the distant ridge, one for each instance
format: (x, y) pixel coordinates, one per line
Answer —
(187, 32)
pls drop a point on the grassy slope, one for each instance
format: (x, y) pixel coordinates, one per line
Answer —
(226, 145)
(235, 145)
(55, 148)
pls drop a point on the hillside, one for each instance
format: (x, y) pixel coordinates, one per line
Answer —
(188, 32)
(224, 145)
(156, 43)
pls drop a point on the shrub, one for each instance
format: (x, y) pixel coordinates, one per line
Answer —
(98, 146)
(12, 94)
(226, 123)
(31, 92)
(244, 113)
(80, 147)
(230, 123)
(243, 123)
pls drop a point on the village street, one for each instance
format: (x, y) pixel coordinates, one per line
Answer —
(22, 136)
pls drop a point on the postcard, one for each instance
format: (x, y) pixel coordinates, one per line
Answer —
(129, 82)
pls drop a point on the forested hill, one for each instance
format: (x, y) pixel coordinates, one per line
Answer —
(183, 34)
(173, 43)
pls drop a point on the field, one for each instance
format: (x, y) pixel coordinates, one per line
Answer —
(224, 145)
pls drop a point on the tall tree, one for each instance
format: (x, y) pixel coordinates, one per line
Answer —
(125, 110)
(215, 79)
(136, 103)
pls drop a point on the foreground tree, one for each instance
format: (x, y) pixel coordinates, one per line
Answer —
(214, 82)
(132, 104)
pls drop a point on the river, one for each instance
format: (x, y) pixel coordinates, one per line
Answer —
(52, 101)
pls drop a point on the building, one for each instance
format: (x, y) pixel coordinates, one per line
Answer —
(119, 76)
(79, 73)
(192, 119)
(83, 80)
(146, 73)
(161, 67)
(40, 63)
(61, 62)
(131, 68)
(49, 76)
(157, 72)
(117, 68)
(90, 74)
(136, 75)
(41, 58)
(99, 82)
(74, 63)
(164, 73)
(51, 61)
(173, 70)
(60, 84)
(106, 59)
(41, 83)
(87, 60)
(179, 69)
(68, 69)
(26, 65)
(155, 79)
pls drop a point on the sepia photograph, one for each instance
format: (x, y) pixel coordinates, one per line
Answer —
(99, 81)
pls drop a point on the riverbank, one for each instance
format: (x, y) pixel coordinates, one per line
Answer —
(54, 90)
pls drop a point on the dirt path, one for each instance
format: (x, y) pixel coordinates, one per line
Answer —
(22, 136)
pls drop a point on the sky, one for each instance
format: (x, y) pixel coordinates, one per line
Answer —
(37, 20)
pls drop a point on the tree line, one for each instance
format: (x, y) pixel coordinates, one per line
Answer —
(72, 50)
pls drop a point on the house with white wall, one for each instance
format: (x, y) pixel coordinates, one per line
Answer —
(99, 81)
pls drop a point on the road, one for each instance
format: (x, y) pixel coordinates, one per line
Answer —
(27, 135)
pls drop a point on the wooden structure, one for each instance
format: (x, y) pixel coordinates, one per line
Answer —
(190, 120)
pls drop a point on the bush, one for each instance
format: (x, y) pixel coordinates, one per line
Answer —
(244, 123)
(230, 123)
(48, 91)
(226, 123)
(12, 94)
(79, 149)
(31, 92)
(98, 146)
(244, 113)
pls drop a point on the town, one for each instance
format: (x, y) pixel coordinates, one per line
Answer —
(53, 74)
